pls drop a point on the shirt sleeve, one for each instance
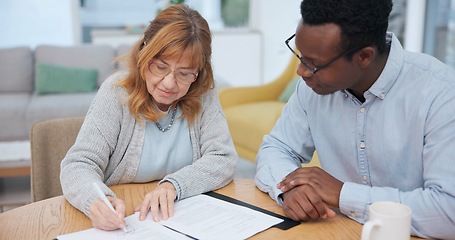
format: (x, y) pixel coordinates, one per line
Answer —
(433, 204)
(285, 148)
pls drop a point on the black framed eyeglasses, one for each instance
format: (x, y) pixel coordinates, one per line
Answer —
(311, 67)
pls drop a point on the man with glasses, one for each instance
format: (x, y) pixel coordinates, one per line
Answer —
(381, 119)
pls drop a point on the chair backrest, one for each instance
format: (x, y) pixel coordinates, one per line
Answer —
(50, 140)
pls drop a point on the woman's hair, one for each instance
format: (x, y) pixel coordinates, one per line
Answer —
(362, 22)
(177, 31)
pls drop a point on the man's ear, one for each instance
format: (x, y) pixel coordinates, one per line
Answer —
(365, 56)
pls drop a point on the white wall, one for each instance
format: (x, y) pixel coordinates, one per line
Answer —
(123, 13)
(237, 58)
(252, 58)
(31, 22)
(276, 21)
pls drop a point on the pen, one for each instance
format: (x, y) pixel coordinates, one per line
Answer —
(105, 200)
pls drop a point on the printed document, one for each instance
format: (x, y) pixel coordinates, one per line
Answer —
(198, 217)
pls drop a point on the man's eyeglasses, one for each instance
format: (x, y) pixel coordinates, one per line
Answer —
(182, 76)
(313, 68)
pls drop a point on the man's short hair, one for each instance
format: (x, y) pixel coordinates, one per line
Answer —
(362, 22)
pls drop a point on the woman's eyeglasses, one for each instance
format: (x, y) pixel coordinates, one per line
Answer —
(182, 76)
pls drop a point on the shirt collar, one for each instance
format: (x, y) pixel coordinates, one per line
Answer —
(391, 69)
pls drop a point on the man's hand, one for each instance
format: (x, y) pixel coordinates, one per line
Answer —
(160, 202)
(322, 184)
(303, 203)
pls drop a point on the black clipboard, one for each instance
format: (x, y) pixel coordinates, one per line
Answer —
(286, 224)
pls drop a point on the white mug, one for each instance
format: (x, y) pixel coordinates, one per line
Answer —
(387, 220)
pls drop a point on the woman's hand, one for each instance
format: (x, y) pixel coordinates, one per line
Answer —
(104, 218)
(160, 202)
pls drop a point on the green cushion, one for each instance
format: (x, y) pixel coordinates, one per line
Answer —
(289, 90)
(60, 79)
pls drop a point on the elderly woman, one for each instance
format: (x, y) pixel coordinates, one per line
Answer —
(160, 120)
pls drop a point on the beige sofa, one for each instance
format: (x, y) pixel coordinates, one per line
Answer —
(20, 104)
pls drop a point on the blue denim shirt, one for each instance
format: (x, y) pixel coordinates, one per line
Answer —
(399, 145)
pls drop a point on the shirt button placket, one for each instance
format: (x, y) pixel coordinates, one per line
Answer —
(363, 164)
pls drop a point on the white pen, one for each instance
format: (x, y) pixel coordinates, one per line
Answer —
(105, 200)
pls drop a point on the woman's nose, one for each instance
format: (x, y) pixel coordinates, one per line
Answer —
(169, 80)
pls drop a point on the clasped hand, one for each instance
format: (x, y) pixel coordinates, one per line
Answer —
(160, 202)
(308, 193)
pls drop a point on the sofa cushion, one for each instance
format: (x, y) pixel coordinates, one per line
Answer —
(248, 123)
(100, 57)
(59, 79)
(16, 70)
(43, 107)
(12, 118)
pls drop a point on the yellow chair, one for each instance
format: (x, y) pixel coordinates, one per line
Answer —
(251, 112)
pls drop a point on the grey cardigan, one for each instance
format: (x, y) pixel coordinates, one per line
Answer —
(109, 145)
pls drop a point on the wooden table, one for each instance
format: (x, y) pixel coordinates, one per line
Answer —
(55, 216)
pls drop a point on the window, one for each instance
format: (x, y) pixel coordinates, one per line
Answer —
(439, 34)
(131, 17)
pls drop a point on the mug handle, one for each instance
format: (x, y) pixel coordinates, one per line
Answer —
(367, 227)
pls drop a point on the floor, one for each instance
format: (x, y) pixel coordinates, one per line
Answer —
(16, 189)
(14, 192)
